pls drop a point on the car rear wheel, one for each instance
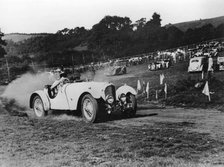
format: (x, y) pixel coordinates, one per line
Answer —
(89, 108)
(38, 107)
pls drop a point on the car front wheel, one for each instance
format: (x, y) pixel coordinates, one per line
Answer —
(89, 108)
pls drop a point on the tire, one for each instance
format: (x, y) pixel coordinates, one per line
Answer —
(133, 110)
(38, 107)
(89, 108)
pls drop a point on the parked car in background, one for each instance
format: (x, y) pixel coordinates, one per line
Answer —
(196, 64)
(220, 61)
(119, 67)
(159, 64)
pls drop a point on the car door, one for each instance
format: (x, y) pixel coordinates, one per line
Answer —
(60, 102)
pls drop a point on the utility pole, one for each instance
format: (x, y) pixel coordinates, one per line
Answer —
(52, 60)
(33, 66)
(83, 57)
(92, 58)
(104, 56)
(73, 70)
(8, 71)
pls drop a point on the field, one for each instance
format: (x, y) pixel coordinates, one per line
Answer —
(199, 23)
(159, 135)
(18, 37)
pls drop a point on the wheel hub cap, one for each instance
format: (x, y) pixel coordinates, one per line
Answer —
(88, 109)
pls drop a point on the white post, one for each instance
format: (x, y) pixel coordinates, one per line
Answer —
(147, 90)
(156, 95)
(138, 86)
(165, 90)
(209, 97)
(143, 87)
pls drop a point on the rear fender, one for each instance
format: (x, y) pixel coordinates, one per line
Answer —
(125, 89)
(43, 97)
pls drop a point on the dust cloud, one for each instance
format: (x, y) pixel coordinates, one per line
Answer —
(64, 117)
(22, 88)
(98, 75)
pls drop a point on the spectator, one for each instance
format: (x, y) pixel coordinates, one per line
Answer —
(210, 66)
(205, 65)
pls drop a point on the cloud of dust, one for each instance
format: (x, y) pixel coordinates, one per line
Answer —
(98, 75)
(22, 88)
(67, 117)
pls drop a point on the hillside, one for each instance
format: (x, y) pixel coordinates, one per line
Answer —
(17, 37)
(199, 23)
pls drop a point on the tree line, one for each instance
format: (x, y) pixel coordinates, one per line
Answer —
(112, 37)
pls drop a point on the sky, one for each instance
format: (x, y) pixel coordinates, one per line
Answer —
(36, 16)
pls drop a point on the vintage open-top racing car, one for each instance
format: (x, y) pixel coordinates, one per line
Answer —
(119, 67)
(91, 98)
(117, 70)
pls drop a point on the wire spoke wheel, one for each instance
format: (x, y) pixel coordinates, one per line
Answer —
(89, 108)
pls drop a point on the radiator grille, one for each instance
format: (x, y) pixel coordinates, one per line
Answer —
(110, 90)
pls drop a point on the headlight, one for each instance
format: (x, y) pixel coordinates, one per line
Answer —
(122, 97)
(109, 99)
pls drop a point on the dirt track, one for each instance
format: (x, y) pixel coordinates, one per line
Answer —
(155, 137)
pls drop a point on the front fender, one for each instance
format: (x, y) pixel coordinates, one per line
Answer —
(125, 89)
(43, 97)
(76, 90)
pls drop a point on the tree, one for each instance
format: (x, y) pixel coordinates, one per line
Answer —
(155, 21)
(151, 32)
(219, 31)
(174, 37)
(140, 23)
(196, 35)
(110, 36)
(2, 43)
(189, 36)
(207, 32)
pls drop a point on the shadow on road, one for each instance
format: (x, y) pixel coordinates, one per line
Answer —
(120, 116)
(107, 117)
(151, 106)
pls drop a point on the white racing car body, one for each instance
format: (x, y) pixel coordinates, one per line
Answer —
(91, 98)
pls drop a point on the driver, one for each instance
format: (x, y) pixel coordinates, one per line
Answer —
(60, 81)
